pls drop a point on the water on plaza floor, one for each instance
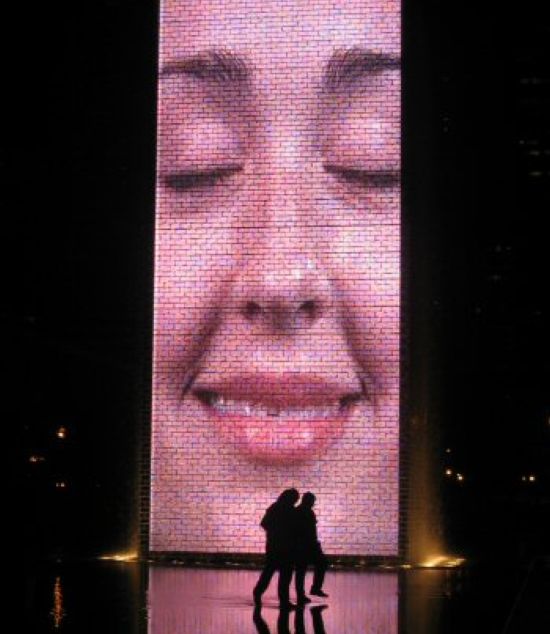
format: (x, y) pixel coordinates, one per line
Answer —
(137, 598)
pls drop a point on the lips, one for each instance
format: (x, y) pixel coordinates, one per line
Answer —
(280, 419)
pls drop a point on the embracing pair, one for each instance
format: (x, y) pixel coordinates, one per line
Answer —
(291, 545)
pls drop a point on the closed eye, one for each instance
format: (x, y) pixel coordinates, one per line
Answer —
(366, 178)
(186, 180)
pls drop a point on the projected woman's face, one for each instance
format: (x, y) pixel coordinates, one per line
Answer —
(278, 233)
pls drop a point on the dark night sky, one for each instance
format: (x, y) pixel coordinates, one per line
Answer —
(78, 168)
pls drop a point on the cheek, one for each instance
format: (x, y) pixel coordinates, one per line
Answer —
(365, 244)
(369, 261)
(193, 264)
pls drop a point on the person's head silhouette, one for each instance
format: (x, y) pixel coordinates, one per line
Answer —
(289, 497)
(308, 500)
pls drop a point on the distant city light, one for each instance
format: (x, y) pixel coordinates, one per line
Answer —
(448, 450)
(460, 477)
(529, 478)
(61, 485)
(448, 472)
(34, 459)
(61, 432)
(532, 478)
(57, 611)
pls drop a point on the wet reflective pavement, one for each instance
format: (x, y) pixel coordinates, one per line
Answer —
(133, 598)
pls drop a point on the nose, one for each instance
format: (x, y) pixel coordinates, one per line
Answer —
(283, 285)
(282, 293)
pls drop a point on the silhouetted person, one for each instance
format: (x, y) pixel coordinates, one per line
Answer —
(308, 550)
(279, 525)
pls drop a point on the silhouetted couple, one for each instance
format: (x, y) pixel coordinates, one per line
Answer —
(291, 544)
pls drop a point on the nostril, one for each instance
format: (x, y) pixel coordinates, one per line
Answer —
(309, 308)
(252, 310)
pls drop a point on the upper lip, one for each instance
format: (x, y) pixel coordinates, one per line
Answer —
(285, 391)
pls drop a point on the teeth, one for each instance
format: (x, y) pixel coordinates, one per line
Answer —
(244, 408)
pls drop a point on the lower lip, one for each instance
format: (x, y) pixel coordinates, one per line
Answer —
(283, 437)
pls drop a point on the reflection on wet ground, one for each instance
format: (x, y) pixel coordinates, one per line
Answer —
(189, 601)
(133, 598)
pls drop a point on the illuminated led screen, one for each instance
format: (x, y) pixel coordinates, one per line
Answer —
(277, 272)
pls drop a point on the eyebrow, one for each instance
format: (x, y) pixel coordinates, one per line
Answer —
(347, 67)
(216, 66)
(344, 69)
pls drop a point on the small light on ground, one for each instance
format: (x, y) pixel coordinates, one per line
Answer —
(129, 556)
(443, 561)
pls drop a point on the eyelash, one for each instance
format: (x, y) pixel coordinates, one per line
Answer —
(189, 181)
(378, 179)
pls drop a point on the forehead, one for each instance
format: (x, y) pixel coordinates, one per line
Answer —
(269, 31)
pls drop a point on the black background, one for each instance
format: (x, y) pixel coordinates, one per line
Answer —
(78, 193)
